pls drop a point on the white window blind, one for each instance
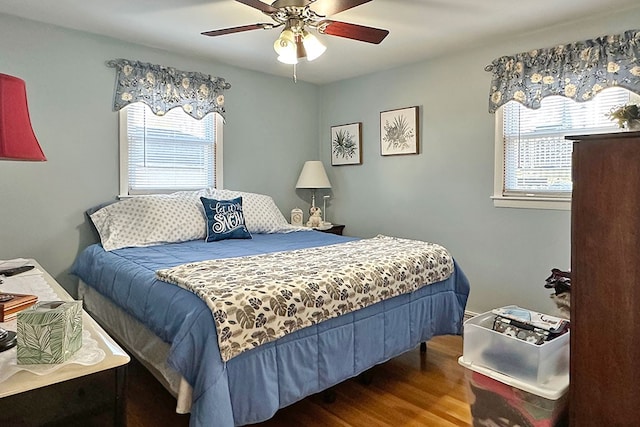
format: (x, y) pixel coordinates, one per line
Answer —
(537, 158)
(171, 152)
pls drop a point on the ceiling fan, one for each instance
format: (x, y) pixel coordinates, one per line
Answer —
(295, 42)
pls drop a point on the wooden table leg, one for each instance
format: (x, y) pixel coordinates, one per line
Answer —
(120, 415)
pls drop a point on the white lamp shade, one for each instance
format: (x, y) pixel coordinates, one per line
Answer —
(285, 47)
(290, 59)
(284, 42)
(312, 45)
(313, 175)
(292, 46)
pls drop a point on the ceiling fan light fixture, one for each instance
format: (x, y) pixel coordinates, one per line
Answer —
(312, 45)
(301, 51)
(285, 42)
(285, 47)
(288, 59)
(295, 41)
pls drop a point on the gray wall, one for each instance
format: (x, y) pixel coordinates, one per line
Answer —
(440, 195)
(443, 194)
(70, 90)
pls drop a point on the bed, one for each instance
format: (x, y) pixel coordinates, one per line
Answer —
(171, 329)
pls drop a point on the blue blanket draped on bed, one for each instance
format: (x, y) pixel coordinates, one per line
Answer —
(252, 386)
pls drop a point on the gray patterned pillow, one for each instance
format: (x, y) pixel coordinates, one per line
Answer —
(261, 214)
(151, 220)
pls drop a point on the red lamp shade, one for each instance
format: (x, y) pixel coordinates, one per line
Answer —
(17, 140)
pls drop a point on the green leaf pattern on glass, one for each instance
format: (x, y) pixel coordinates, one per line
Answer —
(49, 335)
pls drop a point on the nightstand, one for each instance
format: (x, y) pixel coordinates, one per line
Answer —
(72, 394)
(335, 229)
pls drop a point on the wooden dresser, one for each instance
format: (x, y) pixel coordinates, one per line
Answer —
(605, 282)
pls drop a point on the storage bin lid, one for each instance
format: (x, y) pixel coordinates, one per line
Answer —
(553, 389)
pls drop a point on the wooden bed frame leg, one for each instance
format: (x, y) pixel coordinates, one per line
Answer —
(365, 378)
(329, 396)
(423, 347)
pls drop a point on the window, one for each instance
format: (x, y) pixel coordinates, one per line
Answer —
(163, 154)
(533, 159)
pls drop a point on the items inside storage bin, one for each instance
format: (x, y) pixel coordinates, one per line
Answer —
(497, 399)
(539, 355)
(528, 325)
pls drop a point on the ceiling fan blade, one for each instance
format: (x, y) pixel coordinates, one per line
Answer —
(257, 4)
(353, 31)
(331, 7)
(237, 29)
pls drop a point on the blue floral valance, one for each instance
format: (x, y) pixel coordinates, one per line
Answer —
(163, 88)
(578, 71)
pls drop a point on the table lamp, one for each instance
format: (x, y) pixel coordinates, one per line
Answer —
(313, 176)
(324, 210)
(17, 142)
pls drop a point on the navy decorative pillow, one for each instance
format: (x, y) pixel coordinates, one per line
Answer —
(225, 219)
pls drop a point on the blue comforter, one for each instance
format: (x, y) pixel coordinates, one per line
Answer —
(252, 386)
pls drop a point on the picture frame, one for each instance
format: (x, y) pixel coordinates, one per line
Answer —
(399, 132)
(346, 144)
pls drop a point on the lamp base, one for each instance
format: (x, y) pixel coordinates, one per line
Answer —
(313, 207)
(7, 339)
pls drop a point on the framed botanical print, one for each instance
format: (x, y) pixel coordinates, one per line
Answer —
(399, 131)
(346, 144)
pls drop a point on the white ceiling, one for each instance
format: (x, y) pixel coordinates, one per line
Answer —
(419, 29)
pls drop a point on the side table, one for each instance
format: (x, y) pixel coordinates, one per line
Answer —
(335, 229)
(73, 394)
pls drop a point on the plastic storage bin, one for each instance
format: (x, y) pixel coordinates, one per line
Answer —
(482, 346)
(498, 399)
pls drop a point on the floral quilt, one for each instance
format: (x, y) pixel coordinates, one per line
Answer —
(258, 299)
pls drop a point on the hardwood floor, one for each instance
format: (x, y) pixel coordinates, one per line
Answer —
(414, 389)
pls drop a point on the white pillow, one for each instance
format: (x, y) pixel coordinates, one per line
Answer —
(261, 215)
(151, 220)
